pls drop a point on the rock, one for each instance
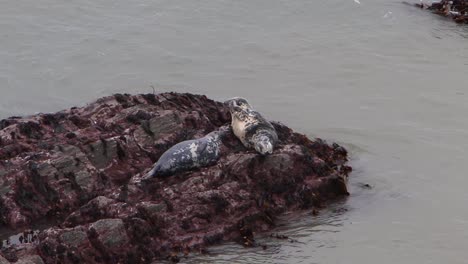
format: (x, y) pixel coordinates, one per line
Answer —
(74, 237)
(168, 122)
(84, 180)
(81, 168)
(111, 232)
(153, 208)
(453, 9)
(102, 152)
(3, 260)
(90, 212)
(31, 259)
(102, 202)
(48, 171)
(157, 128)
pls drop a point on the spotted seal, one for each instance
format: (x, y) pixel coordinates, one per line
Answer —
(253, 130)
(188, 155)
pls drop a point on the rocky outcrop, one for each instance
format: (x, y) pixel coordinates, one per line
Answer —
(455, 9)
(78, 169)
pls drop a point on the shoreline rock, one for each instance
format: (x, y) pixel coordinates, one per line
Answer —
(455, 9)
(80, 166)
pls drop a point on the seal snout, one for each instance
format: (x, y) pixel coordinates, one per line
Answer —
(238, 102)
(231, 103)
(264, 145)
(228, 101)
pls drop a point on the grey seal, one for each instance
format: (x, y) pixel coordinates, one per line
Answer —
(188, 155)
(253, 130)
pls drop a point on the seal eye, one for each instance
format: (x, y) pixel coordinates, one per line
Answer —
(237, 102)
(241, 102)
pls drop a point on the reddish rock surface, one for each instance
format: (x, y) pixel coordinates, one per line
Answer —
(455, 9)
(77, 170)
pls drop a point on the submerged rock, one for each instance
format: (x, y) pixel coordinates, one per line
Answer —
(81, 167)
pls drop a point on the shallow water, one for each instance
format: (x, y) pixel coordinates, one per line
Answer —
(387, 80)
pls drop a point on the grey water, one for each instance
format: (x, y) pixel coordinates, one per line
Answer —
(386, 80)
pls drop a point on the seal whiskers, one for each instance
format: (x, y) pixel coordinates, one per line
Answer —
(263, 143)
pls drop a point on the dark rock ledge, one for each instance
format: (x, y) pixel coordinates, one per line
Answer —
(455, 9)
(76, 170)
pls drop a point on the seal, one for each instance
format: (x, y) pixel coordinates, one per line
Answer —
(253, 130)
(188, 155)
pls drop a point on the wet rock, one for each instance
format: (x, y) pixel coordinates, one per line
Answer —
(364, 185)
(87, 183)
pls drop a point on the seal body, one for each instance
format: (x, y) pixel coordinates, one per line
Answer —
(188, 155)
(252, 129)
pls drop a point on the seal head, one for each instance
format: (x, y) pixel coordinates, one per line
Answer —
(238, 102)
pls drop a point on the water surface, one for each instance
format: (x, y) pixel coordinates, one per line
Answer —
(387, 80)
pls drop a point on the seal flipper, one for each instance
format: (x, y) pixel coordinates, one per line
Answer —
(146, 178)
(151, 174)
